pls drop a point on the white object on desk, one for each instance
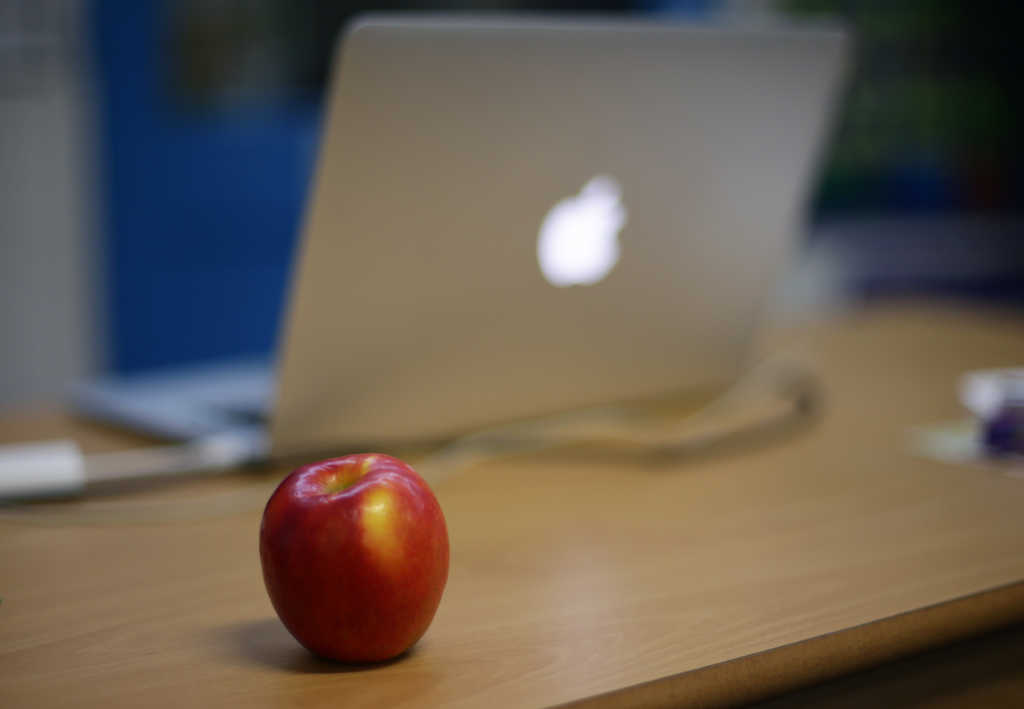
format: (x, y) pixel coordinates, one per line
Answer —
(58, 468)
(41, 469)
(986, 390)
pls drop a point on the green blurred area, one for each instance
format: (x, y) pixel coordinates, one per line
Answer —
(930, 116)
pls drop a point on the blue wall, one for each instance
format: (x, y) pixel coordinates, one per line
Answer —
(201, 209)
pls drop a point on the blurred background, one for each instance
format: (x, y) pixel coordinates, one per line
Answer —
(155, 156)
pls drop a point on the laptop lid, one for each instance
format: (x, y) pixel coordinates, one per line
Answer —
(514, 217)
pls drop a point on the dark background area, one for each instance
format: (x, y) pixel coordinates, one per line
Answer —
(209, 116)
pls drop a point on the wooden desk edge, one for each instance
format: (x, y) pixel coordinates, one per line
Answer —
(772, 672)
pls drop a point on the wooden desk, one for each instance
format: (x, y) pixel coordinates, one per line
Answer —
(694, 582)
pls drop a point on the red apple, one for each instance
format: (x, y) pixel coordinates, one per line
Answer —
(355, 556)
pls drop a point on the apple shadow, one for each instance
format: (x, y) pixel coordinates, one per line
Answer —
(267, 643)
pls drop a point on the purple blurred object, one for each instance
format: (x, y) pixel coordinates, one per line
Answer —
(1004, 432)
(996, 398)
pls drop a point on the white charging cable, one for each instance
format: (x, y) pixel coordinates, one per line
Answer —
(787, 393)
(59, 468)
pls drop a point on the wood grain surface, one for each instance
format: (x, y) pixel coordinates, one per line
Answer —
(576, 577)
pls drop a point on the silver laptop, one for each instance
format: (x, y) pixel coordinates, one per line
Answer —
(514, 217)
(519, 217)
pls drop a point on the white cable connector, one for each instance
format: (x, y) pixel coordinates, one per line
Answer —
(42, 469)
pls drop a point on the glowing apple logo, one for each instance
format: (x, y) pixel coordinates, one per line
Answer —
(579, 238)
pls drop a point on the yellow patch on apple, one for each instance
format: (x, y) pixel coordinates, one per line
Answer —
(379, 526)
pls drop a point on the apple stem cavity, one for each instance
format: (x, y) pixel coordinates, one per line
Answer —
(339, 483)
(347, 475)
